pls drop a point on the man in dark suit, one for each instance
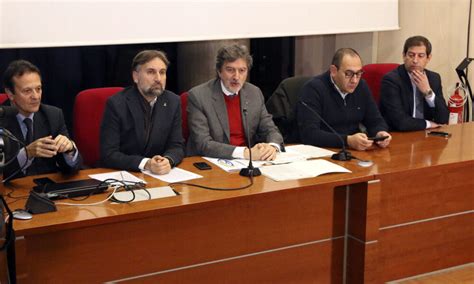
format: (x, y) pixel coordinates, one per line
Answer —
(141, 126)
(344, 101)
(412, 96)
(216, 111)
(40, 127)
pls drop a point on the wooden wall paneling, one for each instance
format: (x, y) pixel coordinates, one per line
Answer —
(424, 247)
(244, 225)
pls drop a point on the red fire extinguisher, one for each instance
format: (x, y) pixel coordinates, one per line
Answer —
(456, 105)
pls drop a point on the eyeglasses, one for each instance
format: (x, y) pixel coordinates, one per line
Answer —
(350, 74)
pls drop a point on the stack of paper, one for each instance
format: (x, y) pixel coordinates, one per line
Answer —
(293, 154)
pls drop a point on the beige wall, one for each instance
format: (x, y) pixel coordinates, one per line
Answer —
(444, 22)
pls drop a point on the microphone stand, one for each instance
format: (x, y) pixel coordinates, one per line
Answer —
(342, 155)
(7, 224)
(249, 171)
(2, 153)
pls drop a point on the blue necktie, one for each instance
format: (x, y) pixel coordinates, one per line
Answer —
(29, 130)
(419, 104)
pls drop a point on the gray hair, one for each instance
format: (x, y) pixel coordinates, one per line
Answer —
(230, 53)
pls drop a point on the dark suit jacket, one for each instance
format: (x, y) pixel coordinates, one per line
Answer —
(209, 133)
(49, 120)
(122, 132)
(396, 101)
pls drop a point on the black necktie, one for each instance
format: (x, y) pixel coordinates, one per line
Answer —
(419, 104)
(29, 130)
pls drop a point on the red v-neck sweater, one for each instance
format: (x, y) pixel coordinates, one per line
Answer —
(237, 134)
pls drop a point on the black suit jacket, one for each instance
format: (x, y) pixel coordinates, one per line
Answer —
(122, 132)
(49, 120)
(396, 101)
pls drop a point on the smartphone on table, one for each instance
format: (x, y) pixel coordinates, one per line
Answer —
(202, 166)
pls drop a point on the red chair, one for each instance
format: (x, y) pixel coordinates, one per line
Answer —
(88, 110)
(184, 115)
(373, 74)
(3, 98)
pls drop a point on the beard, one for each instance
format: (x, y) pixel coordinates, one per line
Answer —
(153, 91)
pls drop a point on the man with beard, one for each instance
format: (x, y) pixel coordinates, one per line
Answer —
(141, 126)
(344, 101)
(412, 96)
(216, 111)
(39, 126)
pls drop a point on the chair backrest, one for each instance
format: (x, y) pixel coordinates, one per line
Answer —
(184, 115)
(3, 98)
(373, 74)
(281, 104)
(88, 110)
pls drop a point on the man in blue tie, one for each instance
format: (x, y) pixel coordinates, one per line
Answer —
(411, 97)
(47, 147)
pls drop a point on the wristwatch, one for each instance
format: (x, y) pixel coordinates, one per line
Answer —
(429, 93)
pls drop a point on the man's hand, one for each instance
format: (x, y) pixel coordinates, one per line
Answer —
(434, 125)
(386, 142)
(421, 81)
(63, 143)
(359, 141)
(158, 165)
(261, 152)
(45, 147)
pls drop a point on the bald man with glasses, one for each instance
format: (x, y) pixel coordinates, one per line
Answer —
(344, 101)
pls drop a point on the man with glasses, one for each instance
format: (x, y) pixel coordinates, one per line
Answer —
(344, 101)
(217, 111)
(411, 97)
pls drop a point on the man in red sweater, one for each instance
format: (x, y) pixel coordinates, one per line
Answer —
(218, 108)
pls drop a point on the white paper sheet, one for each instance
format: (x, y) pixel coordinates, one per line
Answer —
(140, 194)
(309, 151)
(120, 175)
(175, 175)
(287, 157)
(301, 169)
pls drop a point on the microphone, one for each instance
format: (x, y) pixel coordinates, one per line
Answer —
(342, 155)
(4, 148)
(249, 171)
(6, 111)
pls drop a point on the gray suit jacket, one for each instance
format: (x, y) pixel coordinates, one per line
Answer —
(209, 133)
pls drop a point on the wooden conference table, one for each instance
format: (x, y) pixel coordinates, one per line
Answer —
(408, 214)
